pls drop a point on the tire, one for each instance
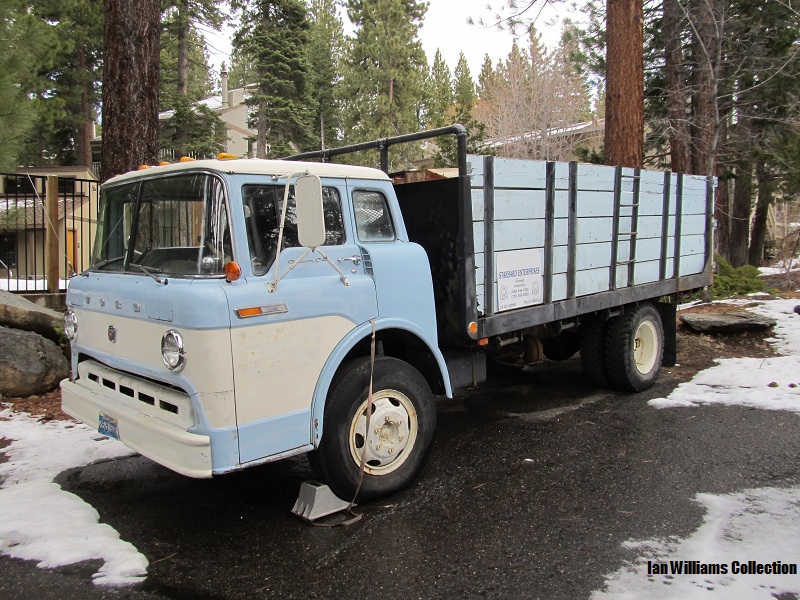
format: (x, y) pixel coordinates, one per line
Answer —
(635, 348)
(562, 347)
(593, 351)
(400, 436)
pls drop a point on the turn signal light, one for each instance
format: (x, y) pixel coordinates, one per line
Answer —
(232, 271)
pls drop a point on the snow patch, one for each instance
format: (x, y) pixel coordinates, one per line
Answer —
(768, 383)
(737, 527)
(42, 522)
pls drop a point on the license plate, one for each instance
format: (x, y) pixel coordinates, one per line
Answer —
(108, 426)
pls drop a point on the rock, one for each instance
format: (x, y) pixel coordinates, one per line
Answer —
(19, 313)
(726, 322)
(797, 309)
(29, 363)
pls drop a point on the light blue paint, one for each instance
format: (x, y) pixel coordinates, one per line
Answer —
(477, 204)
(518, 204)
(275, 435)
(512, 173)
(691, 264)
(559, 291)
(593, 256)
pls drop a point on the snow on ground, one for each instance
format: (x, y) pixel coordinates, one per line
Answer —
(761, 525)
(40, 521)
(771, 383)
(780, 268)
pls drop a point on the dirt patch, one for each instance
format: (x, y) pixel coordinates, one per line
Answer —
(44, 406)
(697, 351)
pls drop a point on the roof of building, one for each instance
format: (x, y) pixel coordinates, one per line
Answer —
(256, 166)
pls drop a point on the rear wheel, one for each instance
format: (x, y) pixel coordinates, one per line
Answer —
(593, 352)
(399, 436)
(635, 348)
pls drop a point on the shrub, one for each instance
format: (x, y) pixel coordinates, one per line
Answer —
(734, 282)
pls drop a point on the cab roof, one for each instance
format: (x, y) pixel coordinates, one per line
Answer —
(257, 166)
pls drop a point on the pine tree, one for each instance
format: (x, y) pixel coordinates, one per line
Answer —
(440, 84)
(273, 35)
(68, 97)
(383, 77)
(193, 128)
(325, 48)
(242, 71)
(20, 34)
(464, 100)
(486, 74)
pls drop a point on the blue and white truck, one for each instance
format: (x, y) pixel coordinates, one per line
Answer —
(227, 319)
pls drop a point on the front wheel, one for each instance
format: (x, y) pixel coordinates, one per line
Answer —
(635, 348)
(399, 436)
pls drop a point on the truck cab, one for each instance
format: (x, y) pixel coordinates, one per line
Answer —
(213, 333)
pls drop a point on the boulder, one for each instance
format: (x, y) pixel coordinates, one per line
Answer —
(29, 363)
(726, 322)
(19, 313)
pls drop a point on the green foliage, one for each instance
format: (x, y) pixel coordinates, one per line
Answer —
(730, 281)
(200, 84)
(326, 46)
(273, 36)
(186, 80)
(63, 82)
(464, 99)
(589, 155)
(16, 59)
(382, 87)
(440, 93)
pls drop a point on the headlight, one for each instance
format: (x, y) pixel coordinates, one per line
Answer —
(172, 350)
(70, 325)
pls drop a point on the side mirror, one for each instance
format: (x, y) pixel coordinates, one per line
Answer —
(310, 216)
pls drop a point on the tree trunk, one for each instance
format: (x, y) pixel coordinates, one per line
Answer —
(183, 76)
(722, 202)
(755, 255)
(704, 45)
(261, 131)
(130, 85)
(624, 127)
(740, 214)
(83, 149)
(679, 141)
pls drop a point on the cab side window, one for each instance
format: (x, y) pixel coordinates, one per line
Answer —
(373, 220)
(262, 207)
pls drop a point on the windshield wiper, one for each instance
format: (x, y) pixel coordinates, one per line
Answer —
(151, 272)
(105, 262)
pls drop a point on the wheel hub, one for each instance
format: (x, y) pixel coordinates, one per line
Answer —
(391, 433)
(645, 347)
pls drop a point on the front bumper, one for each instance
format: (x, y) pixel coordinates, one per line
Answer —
(153, 419)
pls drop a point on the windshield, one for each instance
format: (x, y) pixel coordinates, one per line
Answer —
(172, 225)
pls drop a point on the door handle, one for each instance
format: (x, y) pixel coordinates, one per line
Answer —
(356, 259)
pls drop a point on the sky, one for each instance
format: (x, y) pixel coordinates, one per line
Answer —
(446, 28)
(42, 522)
